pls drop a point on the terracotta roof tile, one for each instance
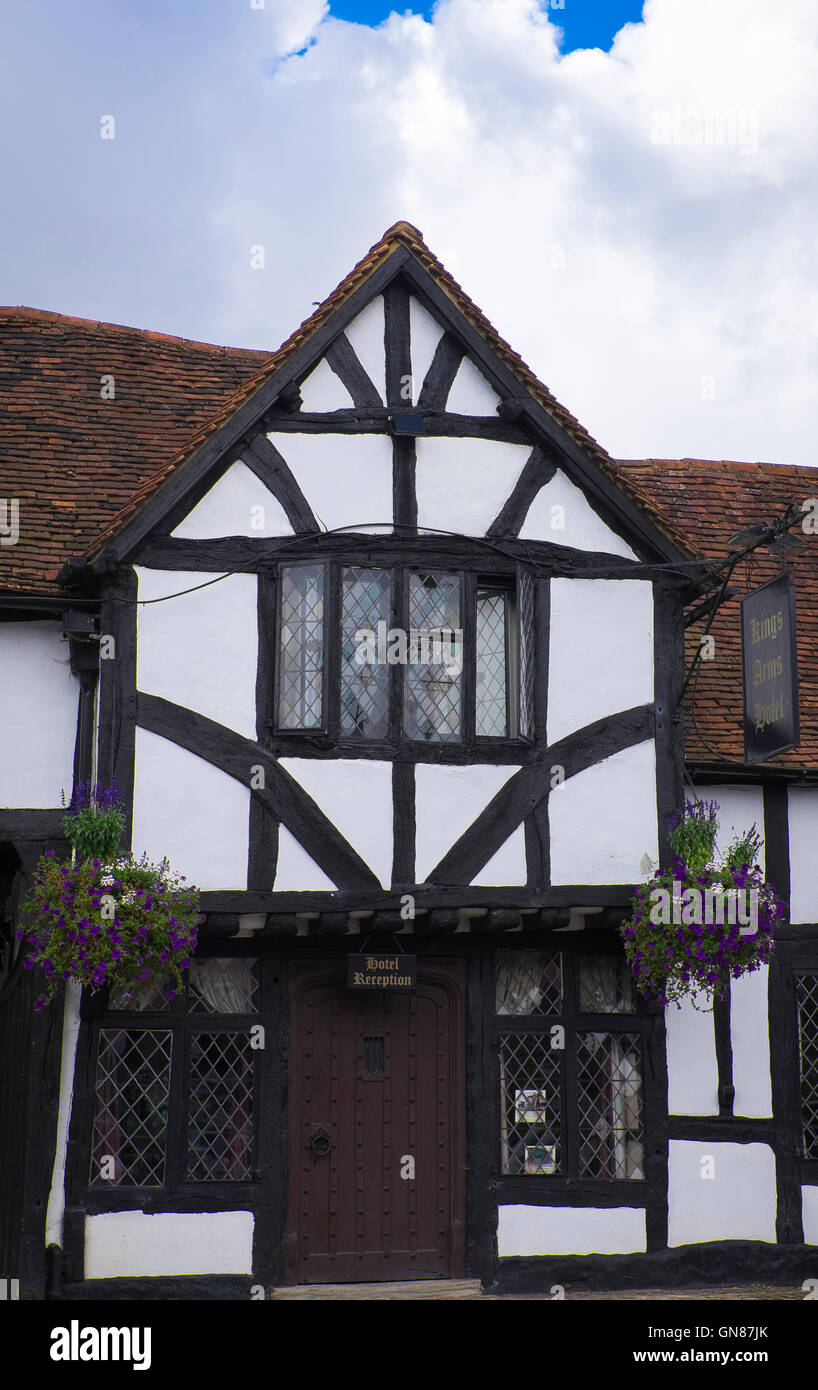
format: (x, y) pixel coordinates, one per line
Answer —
(713, 500)
(72, 459)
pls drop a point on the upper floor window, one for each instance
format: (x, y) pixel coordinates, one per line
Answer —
(431, 656)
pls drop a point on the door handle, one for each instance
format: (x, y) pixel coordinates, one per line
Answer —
(320, 1141)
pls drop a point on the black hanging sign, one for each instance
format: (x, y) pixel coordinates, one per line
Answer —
(770, 669)
(382, 970)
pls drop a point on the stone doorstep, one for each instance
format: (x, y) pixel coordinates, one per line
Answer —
(416, 1288)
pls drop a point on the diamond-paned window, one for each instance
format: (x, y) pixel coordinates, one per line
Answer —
(220, 1113)
(131, 1116)
(807, 997)
(492, 663)
(527, 612)
(528, 982)
(365, 602)
(301, 647)
(605, 986)
(530, 1101)
(609, 1097)
(223, 985)
(433, 673)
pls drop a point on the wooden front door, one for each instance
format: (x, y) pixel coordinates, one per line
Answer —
(377, 1151)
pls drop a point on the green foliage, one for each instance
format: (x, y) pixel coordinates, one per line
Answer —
(122, 924)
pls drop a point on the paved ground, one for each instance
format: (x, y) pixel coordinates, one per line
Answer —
(434, 1290)
(751, 1293)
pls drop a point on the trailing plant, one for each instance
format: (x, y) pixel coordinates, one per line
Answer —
(125, 925)
(94, 821)
(696, 925)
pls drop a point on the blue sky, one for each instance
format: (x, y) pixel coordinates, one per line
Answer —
(585, 23)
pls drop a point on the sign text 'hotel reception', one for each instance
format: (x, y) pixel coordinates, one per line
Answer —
(770, 670)
(381, 971)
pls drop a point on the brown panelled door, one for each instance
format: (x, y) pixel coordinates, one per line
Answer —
(377, 1148)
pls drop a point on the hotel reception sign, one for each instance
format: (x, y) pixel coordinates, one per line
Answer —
(769, 658)
(379, 970)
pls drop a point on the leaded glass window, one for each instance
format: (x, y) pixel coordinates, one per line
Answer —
(301, 665)
(492, 642)
(433, 672)
(131, 1117)
(365, 602)
(527, 614)
(207, 1062)
(528, 982)
(570, 1098)
(531, 1088)
(220, 1114)
(807, 997)
(609, 1094)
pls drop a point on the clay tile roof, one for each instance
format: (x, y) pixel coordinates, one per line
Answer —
(713, 500)
(74, 460)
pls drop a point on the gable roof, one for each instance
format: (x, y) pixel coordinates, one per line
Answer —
(74, 460)
(82, 467)
(713, 500)
(401, 247)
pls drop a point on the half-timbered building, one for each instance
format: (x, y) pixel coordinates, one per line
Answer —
(389, 656)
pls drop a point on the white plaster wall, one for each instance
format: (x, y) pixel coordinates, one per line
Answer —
(570, 1230)
(38, 715)
(463, 483)
(803, 821)
(601, 656)
(692, 1070)
(200, 650)
(507, 866)
(809, 1214)
(576, 525)
(346, 478)
(737, 1203)
(297, 871)
(323, 391)
(356, 795)
(55, 1211)
(135, 1243)
(739, 808)
(238, 504)
(751, 1044)
(471, 393)
(603, 820)
(425, 334)
(366, 334)
(447, 800)
(190, 811)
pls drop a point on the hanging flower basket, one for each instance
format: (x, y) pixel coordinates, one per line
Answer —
(694, 927)
(122, 922)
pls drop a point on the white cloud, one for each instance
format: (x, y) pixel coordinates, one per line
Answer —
(638, 224)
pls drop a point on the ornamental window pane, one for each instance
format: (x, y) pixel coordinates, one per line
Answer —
(131, 1111)
(609, 1093)
(807, 997)
(301, 647)
(528, 982)
(605, 986)
(223, 985)
(365, 602)
(527, 615)
(220, 1113)
(492, 642)
(435, 660)
(530, 1103)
